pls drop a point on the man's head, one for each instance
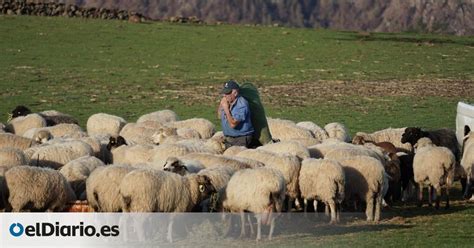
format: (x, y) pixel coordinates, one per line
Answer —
(230, 90)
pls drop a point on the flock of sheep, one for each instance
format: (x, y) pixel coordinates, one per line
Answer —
(162, 164)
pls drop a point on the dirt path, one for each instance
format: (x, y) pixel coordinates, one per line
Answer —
(333, 91)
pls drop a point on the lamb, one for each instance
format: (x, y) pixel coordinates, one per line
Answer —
(288, 130)
(77, 171)
(204, 127)
(21, 124)
(63, 130)
(324, 180)
(365, 180)
(146, 190)
(392, 135)
(102, 188)
(12, 157)
(434, 165)
(162, 116)
(37, 189)
(15, 141)
(287, 147)
(102, 123)
(288, 165)
(319, 133)
(467, 161)
(441, 137)
(212, 160)
(57, 155)
(337, 130)
(260, 191)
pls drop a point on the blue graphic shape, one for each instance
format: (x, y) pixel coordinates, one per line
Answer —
(16, 233)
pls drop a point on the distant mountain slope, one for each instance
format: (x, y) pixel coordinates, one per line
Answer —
(438, 16)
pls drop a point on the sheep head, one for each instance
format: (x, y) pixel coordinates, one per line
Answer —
(42, 136)
(412, 135)
(116, 142)
(423, 142)
(205, 186)
(175, 165)
(162, 134)
(20, 111)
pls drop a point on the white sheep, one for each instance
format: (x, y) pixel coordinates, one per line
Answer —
(102, 187)
(3, 188)
(15, 141)
(365, 180)
(37, 189)
(288, 130)
(204, 127)
(392, 135)
(63, 130)
(234, 150)
(324, 180)
(140, 133)
(58, 154)
(102, 123)
(467, 161)
(188, 133)
(212, 160)
(162, 116)
(319, 133)
(337, 130)
(146, 190)
(12, 157)
(19, 125)
(77, 171)
(287, 147)
(133, 154)
(260, 191)
(163, 152)
(288, 165)
(433, 165)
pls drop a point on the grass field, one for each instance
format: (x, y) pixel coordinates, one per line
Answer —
(367, 81)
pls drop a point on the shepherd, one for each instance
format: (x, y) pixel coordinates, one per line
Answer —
(242, 116)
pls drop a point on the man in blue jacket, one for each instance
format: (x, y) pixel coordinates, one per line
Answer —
(234, 113)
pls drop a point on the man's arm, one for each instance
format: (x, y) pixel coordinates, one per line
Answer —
(230, 119)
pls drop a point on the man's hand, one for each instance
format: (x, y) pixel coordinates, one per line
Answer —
(224, 103)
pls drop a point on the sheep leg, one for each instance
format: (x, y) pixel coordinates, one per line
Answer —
(431, 196)
(315, 205)
(290, 204)
(467, 191)
(305, 207)
(242, 225)
(437, 190)
(420, 194)
(326, 209)
(332, 205)
(447, 197)
(259, 226)
(272, 227)
(378, 207)
(338, 212)
(250, 224)
(369, 210)
(297, 204)
(169, 236)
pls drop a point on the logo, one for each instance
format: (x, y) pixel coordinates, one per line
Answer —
(16, 229)
(45, 229)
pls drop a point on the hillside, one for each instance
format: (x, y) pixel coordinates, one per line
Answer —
(437, 16)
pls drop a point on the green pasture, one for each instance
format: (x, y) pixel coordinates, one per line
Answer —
(82, 67)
